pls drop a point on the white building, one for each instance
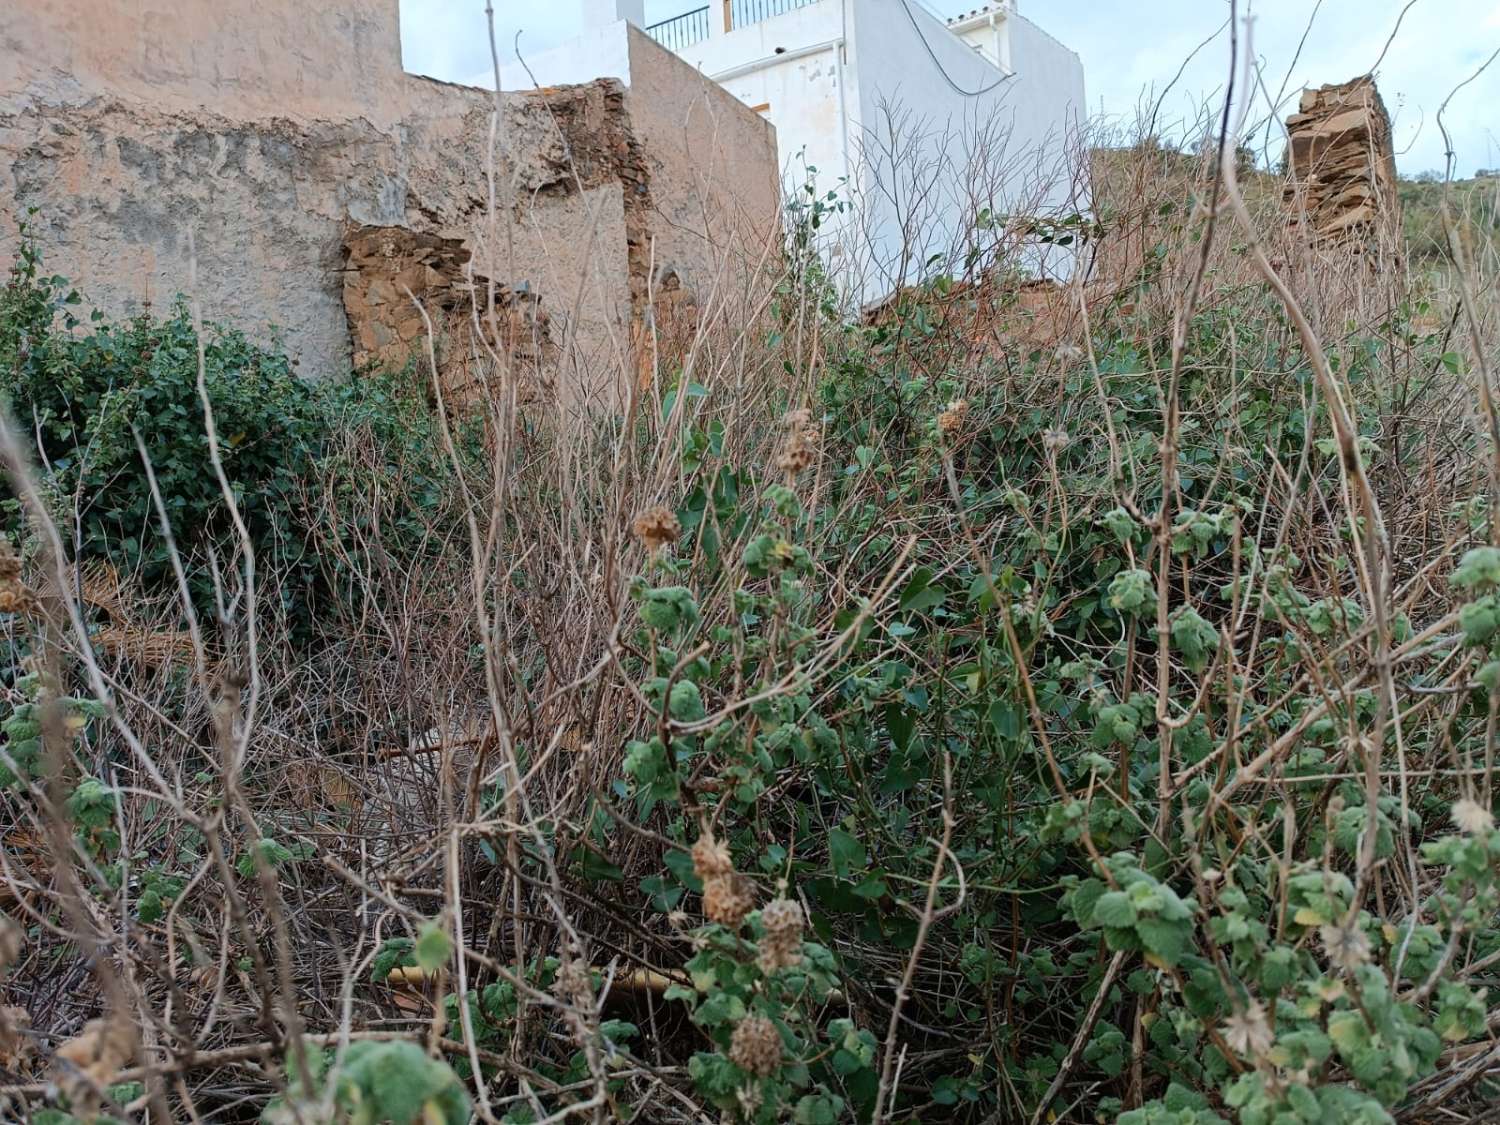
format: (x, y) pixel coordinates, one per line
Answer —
(915, 122)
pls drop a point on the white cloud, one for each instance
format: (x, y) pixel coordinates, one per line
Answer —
(1129, 60)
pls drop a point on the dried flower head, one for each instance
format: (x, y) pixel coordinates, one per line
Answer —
(89, 1062)
(573, 984)
(710, 858)
(1347, 946)
(799, 449)
(727, 899)
(951, 421)
(755, 1046)
(10, 942)
(750, 1099)
(14, 596)
(657, 527)
(1055, 440)
(1249, 1032)
(15, 1043)
(781, 947)
(1472, 817)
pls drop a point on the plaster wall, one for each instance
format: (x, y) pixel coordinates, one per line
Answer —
(990, 37)
(127, 154)
(237, 57)
(896, 113)
(715, 198)
(996, 140)
(796, 66)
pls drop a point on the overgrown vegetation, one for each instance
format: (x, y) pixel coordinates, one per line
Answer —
(1474, 211)
(917, 718)
(95, 396)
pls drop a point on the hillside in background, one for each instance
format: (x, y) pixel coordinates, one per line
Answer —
(1474, 203)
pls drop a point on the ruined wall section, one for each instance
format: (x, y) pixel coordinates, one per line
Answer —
(399, 283)
(1342, 166)
(264, 139)
(702, 230)
(121, 189)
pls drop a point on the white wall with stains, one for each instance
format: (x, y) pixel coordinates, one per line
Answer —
(906, 122)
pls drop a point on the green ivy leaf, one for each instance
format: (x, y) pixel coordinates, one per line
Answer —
(434, 947)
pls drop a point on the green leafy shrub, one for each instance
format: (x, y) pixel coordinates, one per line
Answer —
(301, 459)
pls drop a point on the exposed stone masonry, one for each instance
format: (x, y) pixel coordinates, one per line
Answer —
(390, 271)
(1342, 165)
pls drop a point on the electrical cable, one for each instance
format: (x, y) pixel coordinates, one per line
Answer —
(948, 78)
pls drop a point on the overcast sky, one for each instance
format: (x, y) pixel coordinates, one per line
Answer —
(1132, 50)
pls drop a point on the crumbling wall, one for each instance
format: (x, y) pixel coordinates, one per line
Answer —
(398, 282)
(710, 205)
(121, 189)
(1341, 164)
(254, 136)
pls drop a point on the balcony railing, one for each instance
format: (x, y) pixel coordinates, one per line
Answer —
(681, 31)
(692, 27)
(742, 13)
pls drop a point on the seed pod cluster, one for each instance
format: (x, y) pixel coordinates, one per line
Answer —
(755, 1046)
(781, 946)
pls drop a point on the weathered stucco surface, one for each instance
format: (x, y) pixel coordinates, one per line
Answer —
(243, 58)
(260, 135)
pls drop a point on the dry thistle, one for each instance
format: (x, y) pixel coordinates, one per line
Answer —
(10, 942)
(951, 421)
(750, 1100)
(89, 1062)
(711, 858)
(657, 527)
(727, 899)
(800, 447)
(15, 1044)
(1249, 1032)
(781, 947)
(573, 985)
(1347, 946)
(755, 1046)
(1055, 440)
(1472, 818)
(14, 596)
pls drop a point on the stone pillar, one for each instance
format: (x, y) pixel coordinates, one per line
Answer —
(1342, 164)
(596, 13)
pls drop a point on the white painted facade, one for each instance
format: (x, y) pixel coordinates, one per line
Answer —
(887, 102)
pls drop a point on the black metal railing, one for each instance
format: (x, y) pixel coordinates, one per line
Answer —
(742, 13)
(694, 27)
(681, 31)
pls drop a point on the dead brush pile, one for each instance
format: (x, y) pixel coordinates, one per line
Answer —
(862, 725)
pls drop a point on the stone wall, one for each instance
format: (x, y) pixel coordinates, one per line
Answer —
(1342, 181)
(401, 286)
(258, 137)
